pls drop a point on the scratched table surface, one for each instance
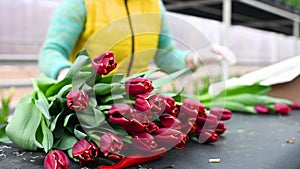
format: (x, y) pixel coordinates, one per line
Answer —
(251, 142)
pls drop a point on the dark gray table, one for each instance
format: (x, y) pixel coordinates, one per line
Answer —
(251, 142)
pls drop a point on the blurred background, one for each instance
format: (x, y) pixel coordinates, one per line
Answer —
(259, 32)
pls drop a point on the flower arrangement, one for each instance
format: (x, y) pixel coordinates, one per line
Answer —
(93, 114)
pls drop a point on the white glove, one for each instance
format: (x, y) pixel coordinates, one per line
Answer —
(214, 53)
(62, 74)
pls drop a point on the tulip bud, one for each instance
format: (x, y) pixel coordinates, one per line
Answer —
(295, 105)
(131, 120)
(85, 152)
(111, 145)
(134, 126)
(282, 108)
(56, 159)
(210, 122)
(195, 105)
(187, 112)
(207, 136)
(77, 100)
(189, 126)
(120, 113)
(187, 116)
(175, 111)
(261, 109)
(223, 114)
(104, 63)
(136, 86)
(183, 142)
(141, 116)
(151, 128)
(167, 137)
(149, 103)
(169, 121)
(170, 105)
(221, 128)
(144, 142)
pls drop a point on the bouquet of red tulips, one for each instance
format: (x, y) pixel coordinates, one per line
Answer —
(92, 114)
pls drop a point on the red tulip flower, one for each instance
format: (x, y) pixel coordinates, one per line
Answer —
(223, 114)
(170, 105)
(77, 100)
(282, 108)
(188, 116)
(151, 128)
(167, 137)
(85, 152)
(207, 136)
(261, 109)
(136, 86)
(104, 63)
(134, 126)
(120, 113)
(56, 159)
(144, 141)
(169, 121)
(209, 122)
(221, 128)
(111, 145)
(187, 112)
(150, 103)
(183, 142)
(194, 105)
(295, 105)
(131, 120)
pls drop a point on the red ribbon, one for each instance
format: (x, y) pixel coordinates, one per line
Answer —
(137, 159)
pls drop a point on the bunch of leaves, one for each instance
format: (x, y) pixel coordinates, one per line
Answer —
(242, 98)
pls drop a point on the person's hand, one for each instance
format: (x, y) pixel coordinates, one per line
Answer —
(211, 54)
(62, 74)
(226, 54)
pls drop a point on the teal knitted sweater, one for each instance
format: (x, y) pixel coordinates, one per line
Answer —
(66, 27)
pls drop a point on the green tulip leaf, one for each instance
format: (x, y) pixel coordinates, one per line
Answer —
(57, 126)
(23, 126)
(116, 78)
(157, 83)
(111, 97)
(79, 63)
(42, 105)
(3, 136)
(252, 99)
(63, 91)
(104, 88)
(90, 118)
(54, 89)
(99, 116)
(53, 124)
(256, 89)
(66, 121)
(143, 74)
(233, 106)
(47, 137)
(66, 142)
(177, 96)
(44, 82)
(79, 134)
(5, 108)
(149, 73)
(104, 107)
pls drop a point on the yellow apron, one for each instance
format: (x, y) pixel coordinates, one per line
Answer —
(129, 28)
